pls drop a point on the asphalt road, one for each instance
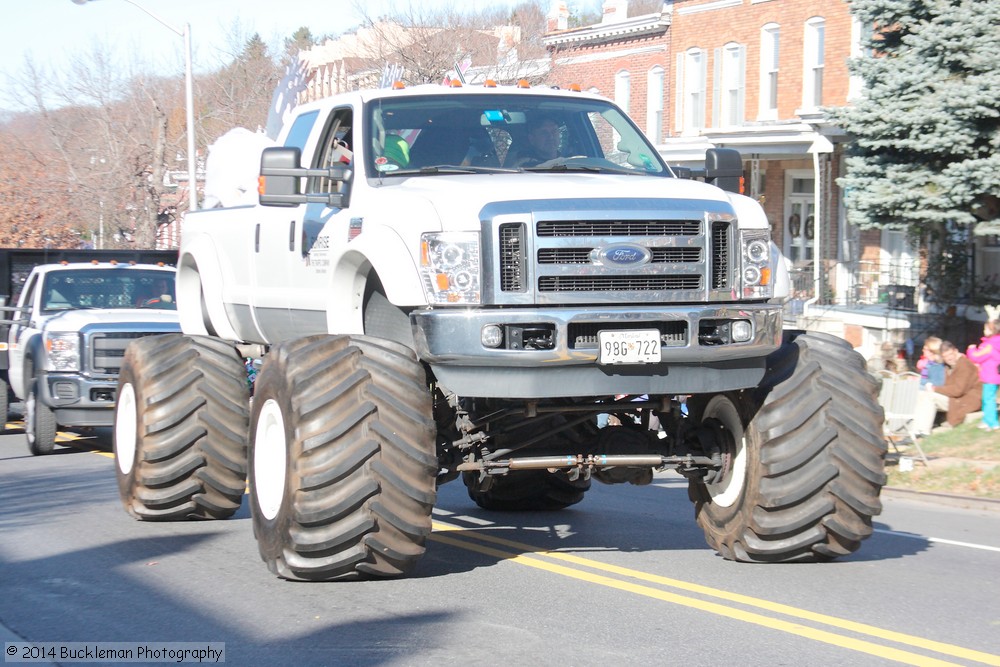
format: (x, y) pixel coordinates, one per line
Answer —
(624, 577)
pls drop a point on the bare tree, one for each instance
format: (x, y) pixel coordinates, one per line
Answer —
(499, 44)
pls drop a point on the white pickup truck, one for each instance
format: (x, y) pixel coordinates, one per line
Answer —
(67, 336)
(439, 291)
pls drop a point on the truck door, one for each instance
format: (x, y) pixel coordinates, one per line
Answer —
(20, 332)
(290, 286)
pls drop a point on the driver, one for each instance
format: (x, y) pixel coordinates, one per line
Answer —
(544, 139)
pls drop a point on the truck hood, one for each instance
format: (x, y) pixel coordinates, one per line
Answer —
(459, 199)
(142, 319)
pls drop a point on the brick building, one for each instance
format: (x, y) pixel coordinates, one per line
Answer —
(754, 75)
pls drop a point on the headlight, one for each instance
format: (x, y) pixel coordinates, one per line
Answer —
(757, 283)
(449, 267)
(63, 351)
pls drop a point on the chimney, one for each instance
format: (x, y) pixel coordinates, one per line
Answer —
(615, 11)
(558, 16)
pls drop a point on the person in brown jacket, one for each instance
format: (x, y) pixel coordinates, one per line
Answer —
(962, 391)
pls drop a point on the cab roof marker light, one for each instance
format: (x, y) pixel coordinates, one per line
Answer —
(398, 85)
(489, 83)
(523, 83)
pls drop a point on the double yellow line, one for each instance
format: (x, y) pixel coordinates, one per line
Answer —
(625, 579)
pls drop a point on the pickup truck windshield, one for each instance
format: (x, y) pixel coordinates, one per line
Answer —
(475, 133)
(113, 288)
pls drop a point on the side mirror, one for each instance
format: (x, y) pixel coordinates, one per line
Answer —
(277, 182)
(724, 169)
(281, 176)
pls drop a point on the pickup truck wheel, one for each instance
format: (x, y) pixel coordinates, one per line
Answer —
(180, 433)
(4, 401)
(39, 422)
(803, 478)
(342, 458)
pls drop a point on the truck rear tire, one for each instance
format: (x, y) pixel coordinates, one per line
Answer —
(804, 480)
(39, 422)
(342, 458)
(180, 434)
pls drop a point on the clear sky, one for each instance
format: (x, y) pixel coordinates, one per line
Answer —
(54, 32)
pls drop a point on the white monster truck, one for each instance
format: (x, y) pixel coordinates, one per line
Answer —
(430, 302)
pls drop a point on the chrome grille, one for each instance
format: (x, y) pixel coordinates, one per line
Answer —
(552, 258)
(107, 349)
(512, 259)
(617, 283)
(550, 228)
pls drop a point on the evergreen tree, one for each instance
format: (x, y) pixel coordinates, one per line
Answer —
(926, 149)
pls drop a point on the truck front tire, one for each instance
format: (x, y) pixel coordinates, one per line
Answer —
(342, 458)
(39, 422)
(802, 482)
(180, 434)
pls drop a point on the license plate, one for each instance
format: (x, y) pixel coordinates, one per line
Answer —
(641, 346)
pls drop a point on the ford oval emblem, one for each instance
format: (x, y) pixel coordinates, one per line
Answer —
(624, 255)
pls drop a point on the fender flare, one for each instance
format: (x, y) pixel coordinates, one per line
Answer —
(383, 253)
(199, 291)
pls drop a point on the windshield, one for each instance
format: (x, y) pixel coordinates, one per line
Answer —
(475, 133)
(112, 288)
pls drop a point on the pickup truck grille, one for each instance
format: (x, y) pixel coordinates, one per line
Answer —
(567, 261)
(107, 349)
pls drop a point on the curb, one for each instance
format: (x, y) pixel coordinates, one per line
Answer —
(949, 499)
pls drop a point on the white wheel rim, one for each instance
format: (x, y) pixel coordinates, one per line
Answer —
(29, 417)
(126, 437)
(269, 459)
(726, 492)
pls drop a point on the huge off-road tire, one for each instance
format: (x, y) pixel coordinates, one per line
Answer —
(180, 434)
(39, 422)
(342, 458)
(804, 478)
(533, 490)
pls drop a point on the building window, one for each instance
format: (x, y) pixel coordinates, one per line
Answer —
(729, 79)
(812, 83)
(623, 90)
(654, 104)
(770, 36)
(861, 36)
(692, 70)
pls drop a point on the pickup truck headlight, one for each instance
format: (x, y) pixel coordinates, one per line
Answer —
(63, 351)
(450, 267)
(757, 278)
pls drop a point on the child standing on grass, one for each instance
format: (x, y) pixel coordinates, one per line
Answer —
(986, 356)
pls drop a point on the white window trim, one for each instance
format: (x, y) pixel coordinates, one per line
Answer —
(770, 41)
(655, 82)
(685, 116)
(728, 110)
(813, 59)
(623, 90)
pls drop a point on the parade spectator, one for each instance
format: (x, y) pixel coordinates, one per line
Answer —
(930, 366)
(986, 356)
(961, 393)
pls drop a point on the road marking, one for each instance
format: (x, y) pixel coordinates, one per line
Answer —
(535, 560)
(939, 540)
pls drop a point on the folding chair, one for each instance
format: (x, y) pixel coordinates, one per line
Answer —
(899, 397)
